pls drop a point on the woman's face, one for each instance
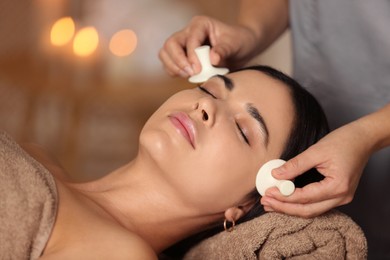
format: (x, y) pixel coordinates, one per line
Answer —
(209, 142)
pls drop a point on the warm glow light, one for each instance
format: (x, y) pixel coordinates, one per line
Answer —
(86, 41)
(62, 31)
(123, 43)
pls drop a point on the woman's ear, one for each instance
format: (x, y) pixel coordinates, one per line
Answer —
(235, 213)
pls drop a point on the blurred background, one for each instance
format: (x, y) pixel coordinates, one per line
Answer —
(81, 77)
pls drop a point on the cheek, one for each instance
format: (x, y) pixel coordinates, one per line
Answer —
(180, 100)
(154, 133)
(225, 175)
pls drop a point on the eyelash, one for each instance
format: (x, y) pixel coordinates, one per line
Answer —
(242, 134)
(238, 126)
(206, 91)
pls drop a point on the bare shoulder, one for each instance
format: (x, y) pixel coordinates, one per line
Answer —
(139, 249)
(114, 245)
(129, 246)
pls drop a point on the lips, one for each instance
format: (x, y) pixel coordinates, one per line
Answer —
(184, 125)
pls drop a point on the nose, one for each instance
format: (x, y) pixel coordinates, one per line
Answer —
(206, 109)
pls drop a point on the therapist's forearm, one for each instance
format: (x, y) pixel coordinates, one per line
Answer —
(376, 126)
(267, 19)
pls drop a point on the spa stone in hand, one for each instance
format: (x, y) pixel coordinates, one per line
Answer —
(264, 179)
(208, 70)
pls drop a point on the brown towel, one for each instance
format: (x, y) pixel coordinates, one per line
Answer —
(277, 236)
(28, 203)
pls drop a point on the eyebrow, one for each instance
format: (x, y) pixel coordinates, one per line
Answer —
(251, 109)
(254, 112)
(227, 82)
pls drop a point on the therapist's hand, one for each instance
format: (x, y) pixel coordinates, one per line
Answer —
(340, 156)
(229, 44)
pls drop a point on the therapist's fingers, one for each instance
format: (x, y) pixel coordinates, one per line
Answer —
(196, 39)
(173, 56)
(170, 66)
(313, 192)
(298, 165)
(204, 30)
(311, 200)
(295, 209)
(326, 189)
(178, 51)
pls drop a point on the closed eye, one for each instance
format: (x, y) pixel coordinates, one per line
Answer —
(242, 133)
(238, 126)
(206, 91)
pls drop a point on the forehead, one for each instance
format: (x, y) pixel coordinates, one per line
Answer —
(258, 83)
(273, 100)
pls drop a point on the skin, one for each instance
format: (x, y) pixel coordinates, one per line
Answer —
(215, 141)
(259, 24)
(165, 194)
(340, 156)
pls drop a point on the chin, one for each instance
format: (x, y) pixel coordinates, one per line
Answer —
(155, 144)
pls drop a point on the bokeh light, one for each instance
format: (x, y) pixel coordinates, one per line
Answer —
(123, 43)
(62, 31)
(86, 41)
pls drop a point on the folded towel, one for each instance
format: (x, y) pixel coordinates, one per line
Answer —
(277, 236)
(28, 203)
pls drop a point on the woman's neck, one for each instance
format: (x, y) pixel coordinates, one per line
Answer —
(140, 200)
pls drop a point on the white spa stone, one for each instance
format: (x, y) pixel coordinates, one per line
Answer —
(208, 70)
(264, 179)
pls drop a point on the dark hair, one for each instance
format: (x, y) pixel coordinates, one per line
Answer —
(309, 125)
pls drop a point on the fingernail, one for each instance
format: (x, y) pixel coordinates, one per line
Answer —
(188, 70)
(183, 74)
